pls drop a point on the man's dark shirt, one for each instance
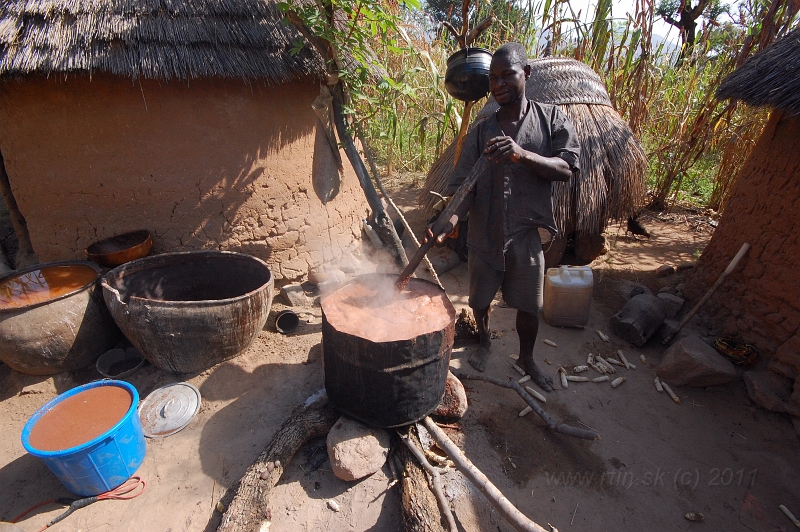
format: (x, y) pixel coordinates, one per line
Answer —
(510, 198)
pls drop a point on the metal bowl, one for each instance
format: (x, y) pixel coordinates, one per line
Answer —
(467, 76)
(120, 249)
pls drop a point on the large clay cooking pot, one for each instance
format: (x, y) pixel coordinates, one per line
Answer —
(387, 383)
(467, 76)
(191, 310)
(53, 319)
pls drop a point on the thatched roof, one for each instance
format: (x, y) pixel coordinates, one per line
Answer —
(611, 184)
(770, 77)
(156, 39)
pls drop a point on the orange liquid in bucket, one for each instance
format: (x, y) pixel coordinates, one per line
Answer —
(80, 418)
(44, 284)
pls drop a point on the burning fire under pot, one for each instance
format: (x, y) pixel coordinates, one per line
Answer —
(386, 353)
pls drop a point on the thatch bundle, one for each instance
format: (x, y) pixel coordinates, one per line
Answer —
(770, 77)
(611, 184)
(157, 39)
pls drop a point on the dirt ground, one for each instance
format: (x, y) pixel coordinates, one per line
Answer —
(716, 453)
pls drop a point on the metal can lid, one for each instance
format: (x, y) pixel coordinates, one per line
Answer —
(169, 409)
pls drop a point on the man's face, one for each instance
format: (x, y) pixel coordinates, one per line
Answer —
(506, 81)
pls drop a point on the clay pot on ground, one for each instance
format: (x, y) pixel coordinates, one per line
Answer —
(54, 318)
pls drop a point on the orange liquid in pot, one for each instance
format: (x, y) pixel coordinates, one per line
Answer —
(44, 284)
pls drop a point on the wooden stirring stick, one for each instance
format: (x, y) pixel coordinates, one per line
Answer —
(458, 197)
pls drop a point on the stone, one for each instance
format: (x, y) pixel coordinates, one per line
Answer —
(692, 362)
(628, 289)
(679, 289)
(294, 295)
(796, 424)
(638, 319)
(768, 390)
(668, 290)
(685, 265)
(786, 360)
(665, 270)
(672, 304)
(640, 289)
(356, 450)
(445, 261)
(454, 401)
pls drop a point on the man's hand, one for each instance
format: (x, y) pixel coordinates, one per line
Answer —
(440, 229)
(502, 149)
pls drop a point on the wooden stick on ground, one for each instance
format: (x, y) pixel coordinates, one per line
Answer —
(419, 506)
(563, 428)
(517, 519)
(436, 482)
(248, 509)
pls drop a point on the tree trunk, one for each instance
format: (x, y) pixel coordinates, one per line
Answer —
(25, 255)
(249, 507)
(688, 28)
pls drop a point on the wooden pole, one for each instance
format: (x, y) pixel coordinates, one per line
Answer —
(326, 49)
(25, 255)
(562, 428)
(458, 197)
(462, 131)
(385, 226)
(510, 512)
(734, 262)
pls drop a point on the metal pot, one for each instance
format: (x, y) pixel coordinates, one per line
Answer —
(386, 384)
(467, 76)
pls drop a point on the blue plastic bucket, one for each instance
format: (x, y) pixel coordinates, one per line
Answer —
(103, 463)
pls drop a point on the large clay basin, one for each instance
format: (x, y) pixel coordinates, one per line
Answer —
(189, 311)
(53, 319)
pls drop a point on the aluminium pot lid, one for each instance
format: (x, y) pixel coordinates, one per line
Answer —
(169, 409)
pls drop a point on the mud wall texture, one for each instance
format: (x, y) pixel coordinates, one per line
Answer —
(210, 164)
(760, 300)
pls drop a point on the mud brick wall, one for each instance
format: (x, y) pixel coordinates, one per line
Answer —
(208, 164)
(760, 301)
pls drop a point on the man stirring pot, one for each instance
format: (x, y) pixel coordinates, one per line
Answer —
(529, 145)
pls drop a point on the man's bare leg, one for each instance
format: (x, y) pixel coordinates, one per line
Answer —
(478, 358)
(527, 329)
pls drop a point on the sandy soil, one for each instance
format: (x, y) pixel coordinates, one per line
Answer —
(715, 453)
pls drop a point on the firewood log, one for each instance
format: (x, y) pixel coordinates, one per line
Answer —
(420, 509)
(249, 507)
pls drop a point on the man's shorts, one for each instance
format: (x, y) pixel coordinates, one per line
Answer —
(522, 282)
